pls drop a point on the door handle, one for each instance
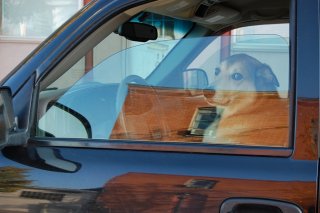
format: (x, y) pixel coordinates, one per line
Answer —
(252, 205)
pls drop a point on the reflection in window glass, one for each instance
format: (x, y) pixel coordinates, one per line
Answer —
(241, 99)
(282, 30)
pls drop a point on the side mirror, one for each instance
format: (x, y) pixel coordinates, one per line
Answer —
(195, 79)
(9, 134)
(138, 31)
(6, 115)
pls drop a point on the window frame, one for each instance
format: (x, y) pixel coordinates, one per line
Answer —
(187, 147)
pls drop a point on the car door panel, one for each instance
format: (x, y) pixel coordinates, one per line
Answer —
(155, 181)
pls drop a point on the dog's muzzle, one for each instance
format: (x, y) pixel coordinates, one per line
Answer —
(216, 98)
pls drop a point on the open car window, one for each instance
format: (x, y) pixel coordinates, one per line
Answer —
(179, 88)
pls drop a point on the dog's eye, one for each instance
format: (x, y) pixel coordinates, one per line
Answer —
(237, 76)
(217, 71)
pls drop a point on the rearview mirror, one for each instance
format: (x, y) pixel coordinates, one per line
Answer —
(138, 31)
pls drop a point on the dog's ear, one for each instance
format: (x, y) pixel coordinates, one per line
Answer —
(265, 78)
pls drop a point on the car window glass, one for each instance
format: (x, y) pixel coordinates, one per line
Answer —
(230, 89)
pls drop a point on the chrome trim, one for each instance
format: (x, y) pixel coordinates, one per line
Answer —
(162, 146)
(230, 204)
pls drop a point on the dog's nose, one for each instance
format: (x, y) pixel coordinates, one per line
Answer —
(209, 92)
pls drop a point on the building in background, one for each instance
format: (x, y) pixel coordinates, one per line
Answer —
(26, 23)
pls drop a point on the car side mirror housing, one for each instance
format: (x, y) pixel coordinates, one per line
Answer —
(195, 79)
(6, 115)
(9, 133)
(138, 31)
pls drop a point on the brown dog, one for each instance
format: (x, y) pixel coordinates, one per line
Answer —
(251, 111)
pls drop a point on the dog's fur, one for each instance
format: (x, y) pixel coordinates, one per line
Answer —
(244, 90)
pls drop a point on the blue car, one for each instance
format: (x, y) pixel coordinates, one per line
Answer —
(167, 106)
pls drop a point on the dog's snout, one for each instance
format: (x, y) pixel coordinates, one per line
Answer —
(209, 92)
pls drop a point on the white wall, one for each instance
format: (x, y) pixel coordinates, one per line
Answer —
(12, 52)
(23, 26)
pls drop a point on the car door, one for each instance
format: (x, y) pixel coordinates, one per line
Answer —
(119, 125)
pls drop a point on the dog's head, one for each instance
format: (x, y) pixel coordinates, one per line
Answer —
(237, 75)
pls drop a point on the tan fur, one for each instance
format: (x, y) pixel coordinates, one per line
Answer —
(249, 117)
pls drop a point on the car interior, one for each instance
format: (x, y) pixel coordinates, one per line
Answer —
(222, 15)
(171, 103)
